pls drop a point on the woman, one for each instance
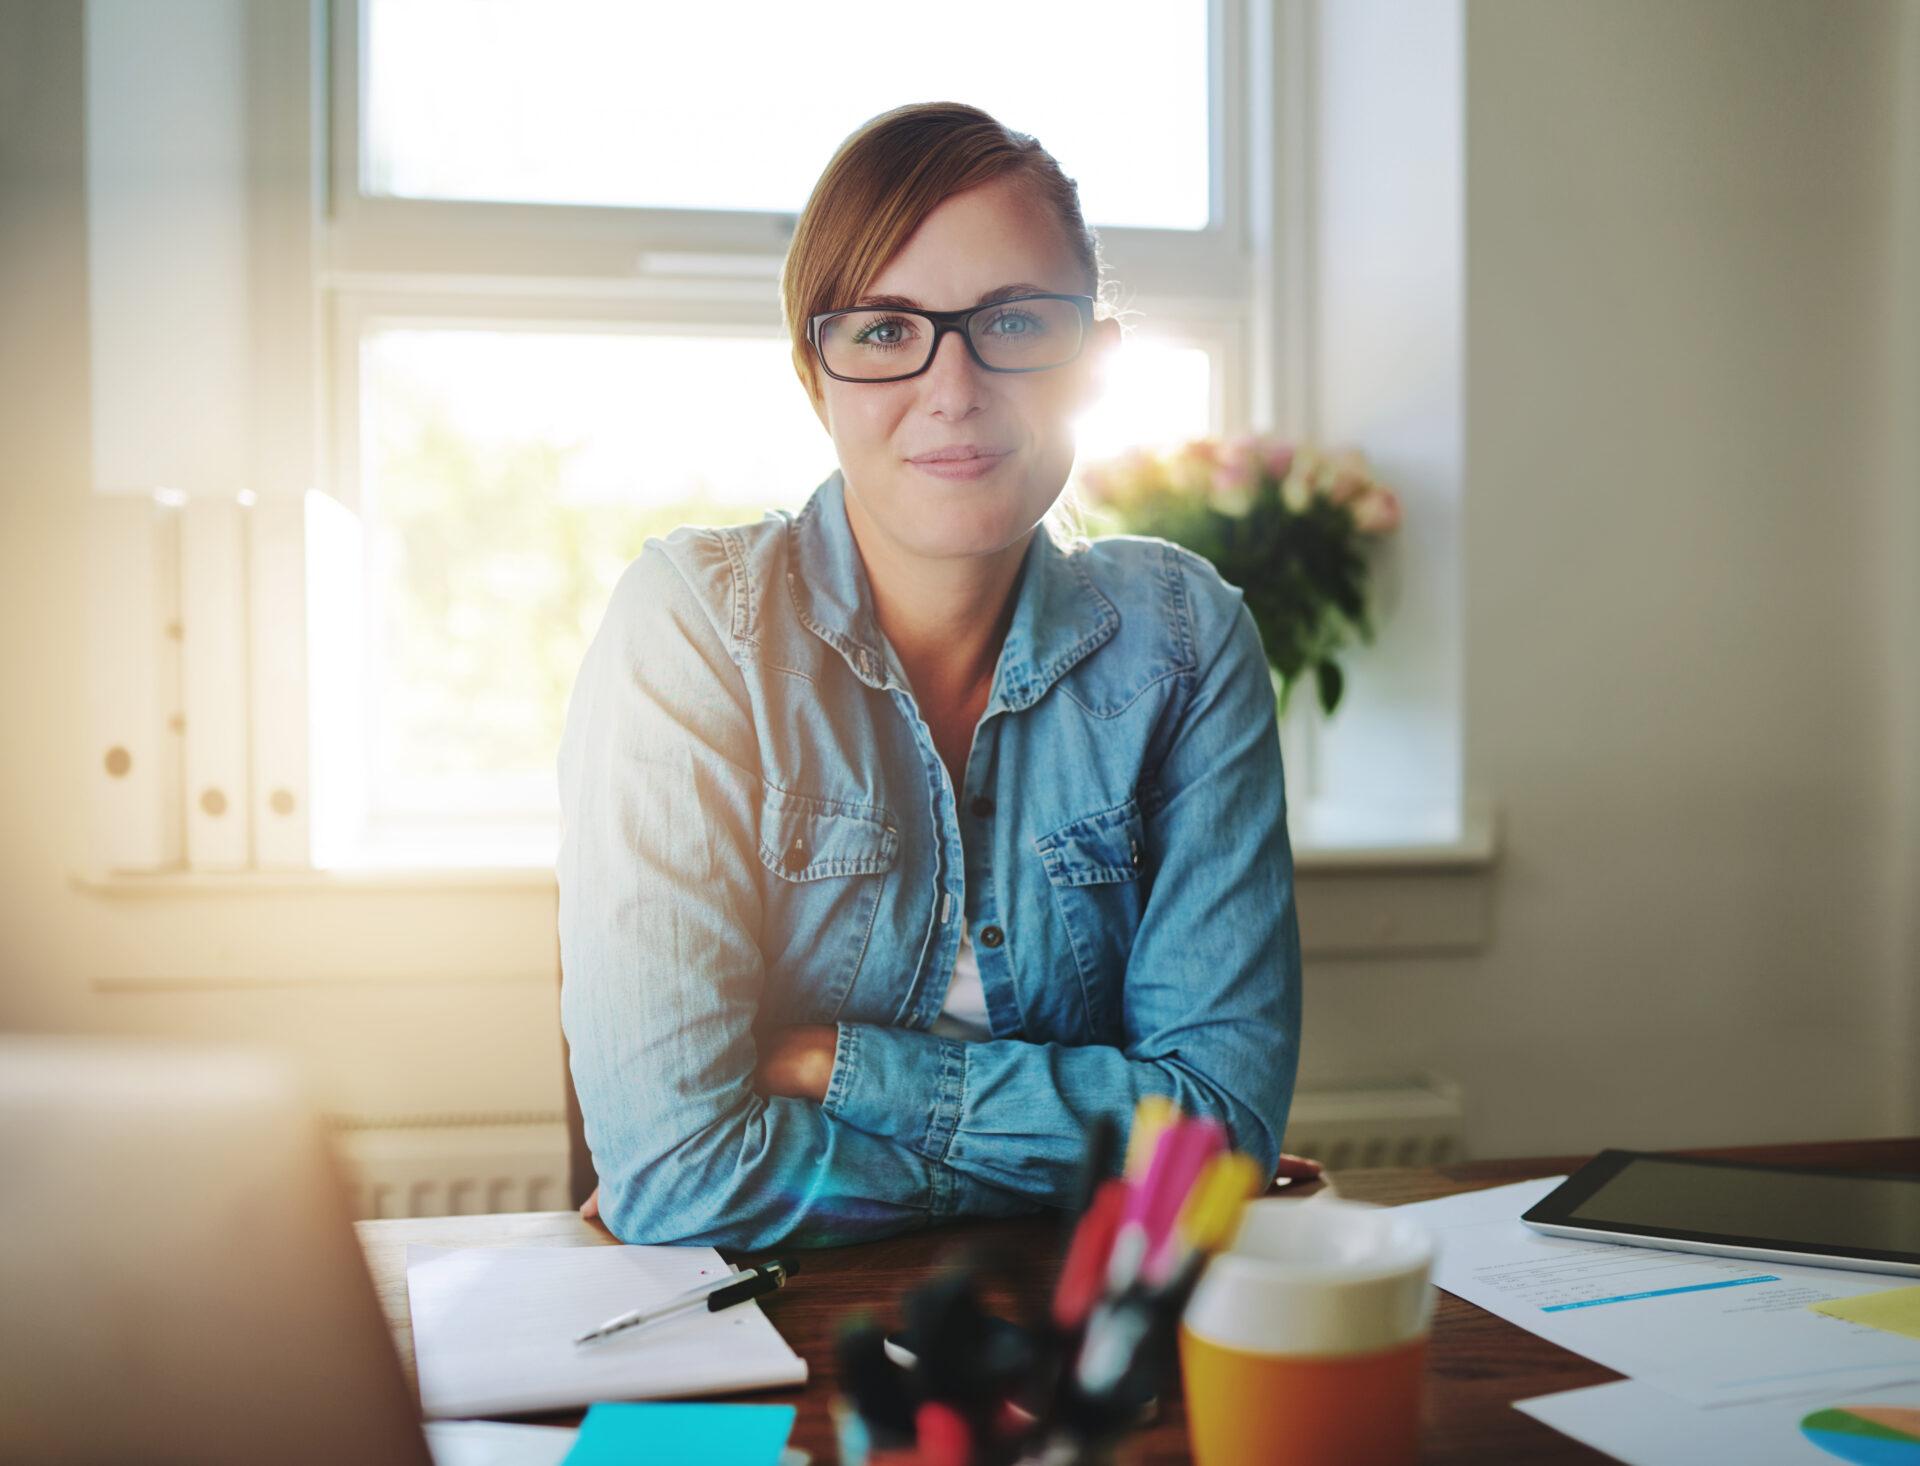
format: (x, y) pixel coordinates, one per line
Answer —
(898, 841)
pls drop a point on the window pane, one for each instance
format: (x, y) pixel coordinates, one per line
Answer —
(510, 475)
(739, 105)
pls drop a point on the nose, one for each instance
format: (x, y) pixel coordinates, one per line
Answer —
(951, 385)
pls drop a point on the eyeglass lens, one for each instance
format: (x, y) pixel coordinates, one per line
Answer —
(1014, 335)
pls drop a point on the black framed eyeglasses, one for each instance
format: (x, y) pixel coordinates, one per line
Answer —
(1026, 333)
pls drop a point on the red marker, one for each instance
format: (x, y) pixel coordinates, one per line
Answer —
(944, 1439)
(1084, 1273)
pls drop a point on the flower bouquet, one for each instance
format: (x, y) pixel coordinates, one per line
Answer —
(1288, 524)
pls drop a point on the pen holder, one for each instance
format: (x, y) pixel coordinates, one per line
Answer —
(856, 1446)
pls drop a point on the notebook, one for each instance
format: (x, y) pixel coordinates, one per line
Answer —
(493, 1329)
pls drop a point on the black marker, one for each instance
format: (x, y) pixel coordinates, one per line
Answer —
(712, 1297)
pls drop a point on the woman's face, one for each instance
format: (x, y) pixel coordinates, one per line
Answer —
(1018, 426)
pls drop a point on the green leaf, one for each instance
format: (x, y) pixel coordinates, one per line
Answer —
(1332, 683)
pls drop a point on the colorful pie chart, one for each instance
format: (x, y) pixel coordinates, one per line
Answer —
(1867, 1435)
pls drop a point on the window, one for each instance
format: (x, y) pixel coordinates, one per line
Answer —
(553, 250)
(570, 101)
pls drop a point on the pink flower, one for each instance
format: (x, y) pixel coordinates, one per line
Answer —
(1345, 477)
(1298, 489)
(1233, 497)
(1377, 511)
(1236, 476)
(1279, 457)
(1242, 457)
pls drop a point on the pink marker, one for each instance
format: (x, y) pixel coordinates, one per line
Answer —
(1131, 1241)
(1192, 1144)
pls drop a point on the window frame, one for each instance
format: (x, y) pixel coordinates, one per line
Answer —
(542, 245)
(472, 264)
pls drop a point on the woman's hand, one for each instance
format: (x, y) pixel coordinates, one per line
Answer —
(1299, 1168)
(798, 1062)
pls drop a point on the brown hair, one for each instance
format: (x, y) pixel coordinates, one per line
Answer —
(883, 181)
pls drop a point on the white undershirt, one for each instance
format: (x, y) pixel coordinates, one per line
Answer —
(964, 1014)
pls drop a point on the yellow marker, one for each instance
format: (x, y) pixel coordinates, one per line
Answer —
(1151, 1117)
(1212, 1211)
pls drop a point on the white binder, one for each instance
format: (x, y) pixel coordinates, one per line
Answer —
(277, 591)
(214, 671)
(336, 642)
(134, 691)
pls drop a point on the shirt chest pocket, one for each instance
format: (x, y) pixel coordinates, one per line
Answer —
(1095, 867)
(826, 862)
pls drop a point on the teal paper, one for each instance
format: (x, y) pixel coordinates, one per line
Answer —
(673, 1434)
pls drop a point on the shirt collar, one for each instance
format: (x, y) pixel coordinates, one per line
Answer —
(1059, 616)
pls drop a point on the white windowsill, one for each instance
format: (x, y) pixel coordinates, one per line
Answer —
(1477, 850)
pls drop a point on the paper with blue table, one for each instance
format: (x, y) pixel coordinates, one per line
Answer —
(493, 1330)
(1712, 1330)
(1719, 1350)
(623, 1434)
(665, 1435)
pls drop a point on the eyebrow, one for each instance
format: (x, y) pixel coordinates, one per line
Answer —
(999, 292)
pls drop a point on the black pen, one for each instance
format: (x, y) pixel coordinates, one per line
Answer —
(711, 1297)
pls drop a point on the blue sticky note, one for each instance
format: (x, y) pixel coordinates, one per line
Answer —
(676, 1434)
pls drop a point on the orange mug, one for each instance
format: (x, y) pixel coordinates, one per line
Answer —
(1305, 1342)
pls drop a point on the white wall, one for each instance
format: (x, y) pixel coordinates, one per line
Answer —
(1902, 884)
(1389, 372)
(1679, 608)
(1685, 642)
(167, 244)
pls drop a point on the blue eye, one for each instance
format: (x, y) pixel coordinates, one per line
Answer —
(887, 333)
(1016, 323)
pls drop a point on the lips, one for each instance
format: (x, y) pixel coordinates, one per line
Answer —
(959, 463)
(958, 453)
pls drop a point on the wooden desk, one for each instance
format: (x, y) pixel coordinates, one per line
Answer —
(1478, 1365)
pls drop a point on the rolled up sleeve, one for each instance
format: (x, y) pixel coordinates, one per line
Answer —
(663, 978)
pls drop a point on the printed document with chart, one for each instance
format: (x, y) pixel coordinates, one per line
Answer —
(1711, 1330)
(1642, 1426)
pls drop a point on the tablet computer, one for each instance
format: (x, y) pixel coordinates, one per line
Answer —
(1851, 1219)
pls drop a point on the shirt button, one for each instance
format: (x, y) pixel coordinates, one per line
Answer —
(991, 936)
(982, 806)
(796, 857)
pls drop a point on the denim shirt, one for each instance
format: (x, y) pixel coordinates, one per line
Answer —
(758, 832)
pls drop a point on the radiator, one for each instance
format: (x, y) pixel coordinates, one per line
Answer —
(1412, 1122)
(452, 1166)
(460, 1165)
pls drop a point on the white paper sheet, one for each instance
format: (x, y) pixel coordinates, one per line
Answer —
(496, 1443)
(493, 1329)
(1710, 1329)
(1634, 1422)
